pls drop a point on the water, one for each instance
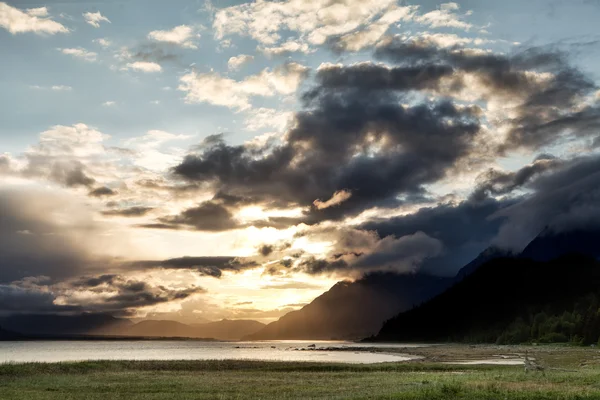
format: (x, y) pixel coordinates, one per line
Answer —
(56, 351)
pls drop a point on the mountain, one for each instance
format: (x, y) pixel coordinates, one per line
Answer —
(159, 329)
(229, 329)
(9, 335)
(509, 300)
(549, 245)
(221, 330)
(485, 256)
(352, 310)
(52, 324)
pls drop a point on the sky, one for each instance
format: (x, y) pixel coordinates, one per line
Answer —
(197, 160)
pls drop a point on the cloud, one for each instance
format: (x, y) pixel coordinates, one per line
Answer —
(103, 42)
(535, 94)
(316, 20)
(352, 137)
(34, 20)
(54, 246)
(207, 216)
(80, 53)
(63, 155)
(102, 192)
(236, 62)
(210, 266)
(143, 66)
(494, 182)
(291, 46)
(338, 197)
(56, 88)
(259, 118)
(109, 104)
(291, 285)
(94, 19)
(445, 17)
(128, 212)
(562, 201)
(214, 89)
(465, 229)
(114, 294)
(181, 36)
(357, 252)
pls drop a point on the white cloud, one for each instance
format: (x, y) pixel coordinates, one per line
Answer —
(143, 66)
(81, 53)
(338, 198)
(291, 46)
(267, 118)
(181, 35)
(235, 63)
(149, 154)
(214, 89)
(78, 140)
(61, 88)
(445, 17)
(34, 20)
(38, 12)
(316, 20)
(109, 104)
(105, 43)
(58, 88)
(94, 19)
(155, 102)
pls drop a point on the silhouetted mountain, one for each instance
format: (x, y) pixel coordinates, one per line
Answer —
(352, 310)
(508, 300)
(9, 335)
(229, 329)
(51, 324)
(549, 245)
(222, 330)
(485, 256)
(159, 329)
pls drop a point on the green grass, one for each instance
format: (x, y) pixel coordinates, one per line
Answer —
(133, 380)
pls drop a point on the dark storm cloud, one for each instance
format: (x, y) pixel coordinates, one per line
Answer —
(494, 182)
(207, 216)
(211, 266)
(465, 229)
(362, 131)
(128, 212)
(418, 144)
(550, 107)
(31, 244)
(568, 199)
(70, 174)
(15, 299)
(102, 192)
(91, 282)
(265, 250)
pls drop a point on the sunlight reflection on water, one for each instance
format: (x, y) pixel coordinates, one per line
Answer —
(56, 351)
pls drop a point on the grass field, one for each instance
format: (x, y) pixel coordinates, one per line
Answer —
(579, 378)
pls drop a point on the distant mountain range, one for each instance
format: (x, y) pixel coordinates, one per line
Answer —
(52, 324)
(9, 335)
(353, 310)
(222, 330)
(106, 325)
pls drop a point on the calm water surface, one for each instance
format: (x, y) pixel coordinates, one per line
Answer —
(55, 351)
